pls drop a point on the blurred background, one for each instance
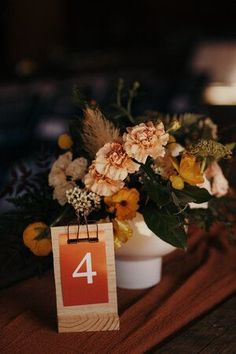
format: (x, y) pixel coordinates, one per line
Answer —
(183, 54)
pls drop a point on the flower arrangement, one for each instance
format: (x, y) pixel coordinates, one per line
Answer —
(112, 165)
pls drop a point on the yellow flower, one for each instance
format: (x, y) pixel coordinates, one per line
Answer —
(124, 203)
(64, 141)
(175, 125)
(177, 182)
(35, 237)
(122, 232)
(189, 171)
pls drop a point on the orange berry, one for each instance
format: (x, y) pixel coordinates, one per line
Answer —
(41, 246)
(64, 141)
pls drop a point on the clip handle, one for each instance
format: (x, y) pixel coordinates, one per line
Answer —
(82, 239)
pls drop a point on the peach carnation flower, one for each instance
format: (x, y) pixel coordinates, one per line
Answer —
(101, 184)
(145, 139)
(113, 162)
(164, 166)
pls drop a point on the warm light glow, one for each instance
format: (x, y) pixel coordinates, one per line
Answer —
(221, 95)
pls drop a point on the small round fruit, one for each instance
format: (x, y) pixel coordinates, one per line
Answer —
(64, 141)
(35, 237)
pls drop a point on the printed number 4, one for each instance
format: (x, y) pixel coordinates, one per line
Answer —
(89, 274)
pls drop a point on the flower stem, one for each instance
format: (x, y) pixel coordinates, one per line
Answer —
(60, 216)
(132, 94)
(149, 172)
(120, 87)
(203, 165)
(129, 103)
(127, 114)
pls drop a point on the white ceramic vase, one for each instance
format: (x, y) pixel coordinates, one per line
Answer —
(139, 261)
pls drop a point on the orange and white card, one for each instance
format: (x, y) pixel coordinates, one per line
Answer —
(84, 270)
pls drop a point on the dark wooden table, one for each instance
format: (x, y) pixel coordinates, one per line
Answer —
(214, 333)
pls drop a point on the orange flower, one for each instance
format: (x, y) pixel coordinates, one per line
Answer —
(124, 203)
(35, 237)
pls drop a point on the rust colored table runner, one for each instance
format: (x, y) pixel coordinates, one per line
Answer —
(193, 282)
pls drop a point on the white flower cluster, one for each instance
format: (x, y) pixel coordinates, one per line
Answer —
(82, 200)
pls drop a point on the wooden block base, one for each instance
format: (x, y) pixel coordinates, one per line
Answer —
(88, 323)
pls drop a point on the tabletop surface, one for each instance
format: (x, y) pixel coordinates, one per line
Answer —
(212, 333)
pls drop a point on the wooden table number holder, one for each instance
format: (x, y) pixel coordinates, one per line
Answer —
(85, 279)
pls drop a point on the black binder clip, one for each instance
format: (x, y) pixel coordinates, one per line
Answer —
(89, 238)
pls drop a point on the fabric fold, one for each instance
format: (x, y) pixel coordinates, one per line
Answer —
(193, 283)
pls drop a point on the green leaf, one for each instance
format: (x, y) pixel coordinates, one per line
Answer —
(153, 185)
(192, 194)
(168, 227)
(156, 192)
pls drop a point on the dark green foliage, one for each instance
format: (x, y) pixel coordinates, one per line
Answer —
(29, 208)
(168, 227)
(192, 194)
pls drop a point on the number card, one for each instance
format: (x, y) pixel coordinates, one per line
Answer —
(85, 279)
